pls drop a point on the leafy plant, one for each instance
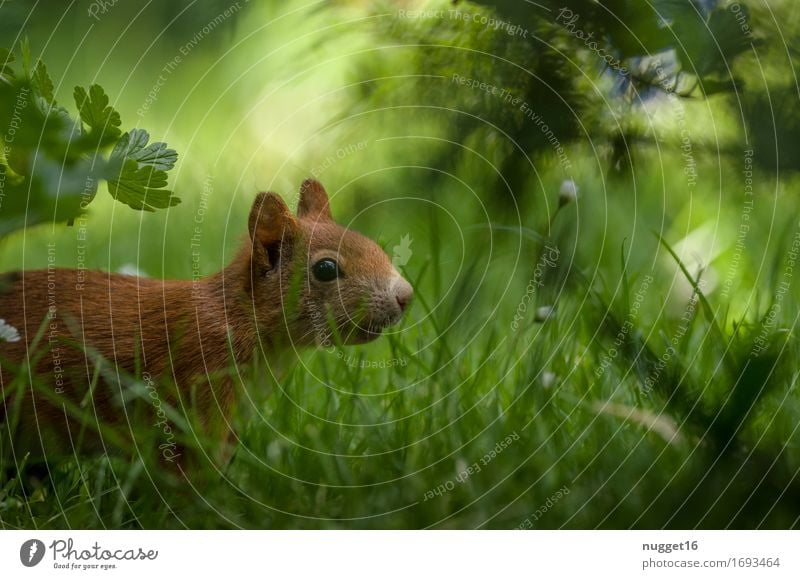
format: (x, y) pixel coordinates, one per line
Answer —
(51, 163)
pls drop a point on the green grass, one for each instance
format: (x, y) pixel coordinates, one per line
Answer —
(327, 441)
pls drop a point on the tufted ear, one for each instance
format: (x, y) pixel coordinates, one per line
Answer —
(271, 224)
(314, 201)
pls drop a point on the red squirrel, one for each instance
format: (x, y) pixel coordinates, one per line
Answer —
(295, 281)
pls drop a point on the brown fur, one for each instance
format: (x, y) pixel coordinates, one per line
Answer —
(186, 333)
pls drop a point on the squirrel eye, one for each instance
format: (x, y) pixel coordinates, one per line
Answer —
(326, 270)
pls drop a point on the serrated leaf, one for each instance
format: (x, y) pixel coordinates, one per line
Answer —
(130, 142)
(43, 83)
(141, 187)
(157, 155)
(133, 145)
(96, 113)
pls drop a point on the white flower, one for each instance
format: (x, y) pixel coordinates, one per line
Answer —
(543, 313)
(131, 269)
(568, 192)
(8, 333)
(548, 379)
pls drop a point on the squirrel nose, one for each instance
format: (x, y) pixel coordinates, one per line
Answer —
(403, 292)
(402, 301)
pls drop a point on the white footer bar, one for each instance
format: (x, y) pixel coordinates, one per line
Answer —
(401, 554)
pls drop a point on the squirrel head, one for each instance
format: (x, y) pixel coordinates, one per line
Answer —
(312, 278)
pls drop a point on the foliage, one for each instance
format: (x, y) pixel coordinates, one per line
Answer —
(555, 74)
(51, 163)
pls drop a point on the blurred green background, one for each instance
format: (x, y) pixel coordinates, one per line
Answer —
(650, 369)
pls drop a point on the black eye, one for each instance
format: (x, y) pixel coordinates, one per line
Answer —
(326, 270)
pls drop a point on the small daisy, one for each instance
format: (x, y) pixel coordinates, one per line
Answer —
(543, 313)
(8, 333)
(568, 192)
(131, 269)
(548, 379)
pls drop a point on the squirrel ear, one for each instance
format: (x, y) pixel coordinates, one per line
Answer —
(314, 201)
(271, 223)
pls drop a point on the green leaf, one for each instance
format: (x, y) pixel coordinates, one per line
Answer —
(96, 113)
(52, 193)
(25, 52)
(133, 145)
(141, 187)
(141, 174)
(43, 83)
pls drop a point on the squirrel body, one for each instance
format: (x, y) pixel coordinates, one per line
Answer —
(292, 277)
